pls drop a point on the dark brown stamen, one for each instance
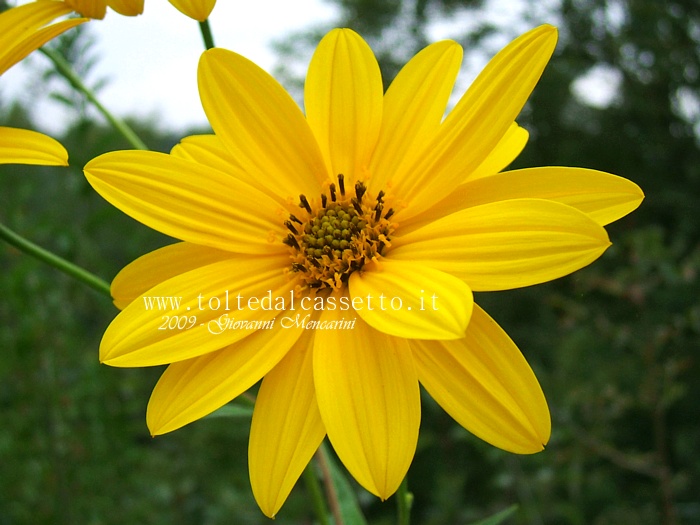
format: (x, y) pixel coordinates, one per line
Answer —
(303, 203)
(341, 184)
(380, 196)
(378, 211)
(389, 213)
(357, 206)
(291, 241)
(324, 200)
(294, 219)
(291, 227)
(332, 188)
(360, 190)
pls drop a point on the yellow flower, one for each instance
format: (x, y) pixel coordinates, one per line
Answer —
(197, 9)
(379, 219)
(22, 30)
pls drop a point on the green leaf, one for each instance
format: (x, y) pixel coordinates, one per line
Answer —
(499, 517)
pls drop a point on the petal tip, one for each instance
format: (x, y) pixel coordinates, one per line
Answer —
(549, 30)
(154, 431)
(549, 35)
(155, 423)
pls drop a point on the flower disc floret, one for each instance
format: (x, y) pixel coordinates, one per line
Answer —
(336, 236)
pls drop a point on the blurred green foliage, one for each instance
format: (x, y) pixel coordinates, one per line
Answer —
(615, 346)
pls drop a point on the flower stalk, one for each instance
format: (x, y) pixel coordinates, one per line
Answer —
(206, 34)
(314, 488)
(331, 493)
(64, 68)
(404, 502)
(54, 260)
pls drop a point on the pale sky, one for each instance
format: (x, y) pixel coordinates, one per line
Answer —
(151, 60)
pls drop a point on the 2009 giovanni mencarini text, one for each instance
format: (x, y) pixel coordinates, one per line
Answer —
(225, 323)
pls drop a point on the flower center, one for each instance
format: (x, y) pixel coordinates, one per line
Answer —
(334, 237)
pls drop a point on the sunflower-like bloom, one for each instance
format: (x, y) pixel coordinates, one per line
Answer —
(334, 255)
(22, 30)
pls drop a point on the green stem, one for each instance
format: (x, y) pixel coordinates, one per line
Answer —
(331, 493)
(317, 500)
(404, 502)
(64, 68)
(54, 260)
(206, 34)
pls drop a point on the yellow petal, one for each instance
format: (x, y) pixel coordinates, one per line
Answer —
(414, 106)
(485, 384)
(22, 31)
(505, 152)
(507, 244)
(260, 124)
(189, 201)
(22, 146)
(35, 41)
(603, 197)
(197, 9)
(475, 126)
(127, 7)
(210, 151)
(411, 300)
(369, 399)
(17, 22)
(201, 317)
(160, 265)
(343, 101)
(90, 8)
(189, 390)
(286, 428)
